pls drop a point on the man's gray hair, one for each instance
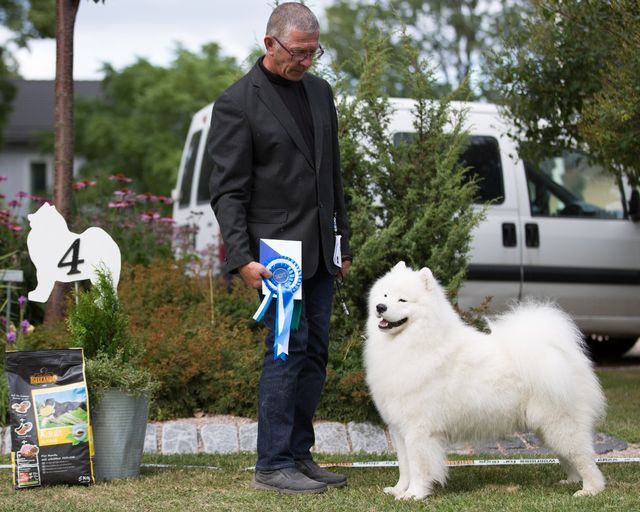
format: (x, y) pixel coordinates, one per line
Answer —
(292, 16)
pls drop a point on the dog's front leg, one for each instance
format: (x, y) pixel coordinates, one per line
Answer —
(403, 481)
(426, 458)
(43, 289)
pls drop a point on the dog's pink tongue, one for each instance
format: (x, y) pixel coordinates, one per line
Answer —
(383, 324)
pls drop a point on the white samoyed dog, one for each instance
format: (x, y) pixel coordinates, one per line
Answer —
(435, 380)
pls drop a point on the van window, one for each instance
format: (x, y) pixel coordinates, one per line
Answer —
(189, 167)
(571, 186)
(203, 195)
(482, 157)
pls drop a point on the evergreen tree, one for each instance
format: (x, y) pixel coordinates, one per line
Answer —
(409, 200)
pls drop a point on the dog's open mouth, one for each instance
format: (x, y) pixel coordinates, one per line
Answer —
(386, 325)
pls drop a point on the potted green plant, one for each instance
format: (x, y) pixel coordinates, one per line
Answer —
(119, 388)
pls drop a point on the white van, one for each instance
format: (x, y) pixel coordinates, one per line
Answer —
(565, 233)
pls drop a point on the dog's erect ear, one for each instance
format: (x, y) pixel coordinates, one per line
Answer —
(427, 277)
(400, 265)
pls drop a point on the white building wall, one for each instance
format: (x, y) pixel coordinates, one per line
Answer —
(16, 166)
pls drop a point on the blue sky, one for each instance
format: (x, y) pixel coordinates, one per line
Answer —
(118, 31)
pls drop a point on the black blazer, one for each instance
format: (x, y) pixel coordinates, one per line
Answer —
(265, 181)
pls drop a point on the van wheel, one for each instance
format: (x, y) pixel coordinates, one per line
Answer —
(606, 347)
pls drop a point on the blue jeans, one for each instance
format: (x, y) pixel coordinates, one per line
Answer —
(290, 390)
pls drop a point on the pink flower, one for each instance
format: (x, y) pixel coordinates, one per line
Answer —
(4, 178)
(167, 220)
(14, 204)
(21, 194)
(16, 228)
(122, 192)
(118, 204)
(79, 185)
(121, 178)
(165, 199)
(147, 196)
(40, 199)
(149, 216)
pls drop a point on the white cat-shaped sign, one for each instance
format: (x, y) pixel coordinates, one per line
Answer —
(60, 255)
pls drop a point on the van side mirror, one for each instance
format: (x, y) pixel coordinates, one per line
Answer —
(634, 205)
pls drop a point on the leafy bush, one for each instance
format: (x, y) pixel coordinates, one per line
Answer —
(200, 341)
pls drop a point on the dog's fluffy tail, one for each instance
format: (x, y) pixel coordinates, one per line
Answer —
(546, 347)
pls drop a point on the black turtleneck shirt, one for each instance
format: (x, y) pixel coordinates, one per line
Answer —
(295, 98)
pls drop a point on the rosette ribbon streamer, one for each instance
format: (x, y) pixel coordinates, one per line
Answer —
(285, 280)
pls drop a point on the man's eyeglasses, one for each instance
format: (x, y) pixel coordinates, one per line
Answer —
(300, 55)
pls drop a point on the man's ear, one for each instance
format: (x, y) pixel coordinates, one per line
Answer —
(269, 44)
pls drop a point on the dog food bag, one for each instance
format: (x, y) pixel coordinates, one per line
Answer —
(50, 429)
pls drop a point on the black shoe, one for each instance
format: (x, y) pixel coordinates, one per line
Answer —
(286, 480)
(315, 472)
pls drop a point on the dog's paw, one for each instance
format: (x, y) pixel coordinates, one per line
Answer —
(586, 492)
(394, 491)
(569, 481)
(414, 493)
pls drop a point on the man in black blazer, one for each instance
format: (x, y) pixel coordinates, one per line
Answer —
(276, 174)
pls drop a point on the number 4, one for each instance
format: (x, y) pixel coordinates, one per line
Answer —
(75, 260)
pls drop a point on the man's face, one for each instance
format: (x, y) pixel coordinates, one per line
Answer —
(279, 61)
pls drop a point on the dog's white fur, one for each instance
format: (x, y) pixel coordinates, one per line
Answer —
(435, 380)
(48, 241)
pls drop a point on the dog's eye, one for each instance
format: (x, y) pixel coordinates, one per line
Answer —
(401, 300)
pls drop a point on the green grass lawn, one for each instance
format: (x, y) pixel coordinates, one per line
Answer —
(509, 488)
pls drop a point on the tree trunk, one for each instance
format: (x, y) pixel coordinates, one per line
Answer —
(66, 11)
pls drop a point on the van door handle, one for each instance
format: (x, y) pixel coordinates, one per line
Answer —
(531, 235)
(509, 238)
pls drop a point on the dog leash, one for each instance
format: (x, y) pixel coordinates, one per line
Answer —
(338, 282)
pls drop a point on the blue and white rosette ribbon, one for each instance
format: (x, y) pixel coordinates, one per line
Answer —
(285, 280)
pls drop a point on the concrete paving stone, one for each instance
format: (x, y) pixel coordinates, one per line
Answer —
(603, 443)
(538, 450)
(367, 438)
(485, 447)
(179, 438)
(459, 448)
(511, 443)
(531, 439)
(219, 438)
(248, 435)
(151, 440)
(331, 437)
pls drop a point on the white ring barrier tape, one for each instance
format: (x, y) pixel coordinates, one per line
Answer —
(394, 463)
(475, 462)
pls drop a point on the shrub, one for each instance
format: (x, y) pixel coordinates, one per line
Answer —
(200, 341)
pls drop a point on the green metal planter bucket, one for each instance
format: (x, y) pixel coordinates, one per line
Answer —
(119, 423)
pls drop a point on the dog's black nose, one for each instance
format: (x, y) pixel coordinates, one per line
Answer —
(381, 308)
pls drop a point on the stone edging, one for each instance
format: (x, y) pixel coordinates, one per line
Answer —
(228, 434)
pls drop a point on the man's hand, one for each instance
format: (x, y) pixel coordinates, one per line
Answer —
(252, 274)
(346, 265)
